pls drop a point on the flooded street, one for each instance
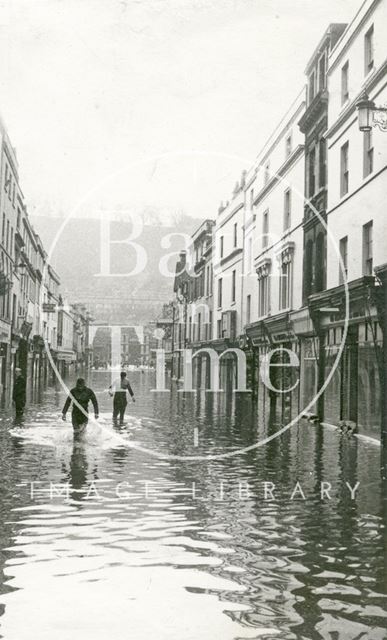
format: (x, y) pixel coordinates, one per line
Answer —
(115, 538)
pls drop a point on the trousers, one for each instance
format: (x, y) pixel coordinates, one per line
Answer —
(119, 405)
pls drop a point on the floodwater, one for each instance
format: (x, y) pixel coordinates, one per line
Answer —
(118, 536)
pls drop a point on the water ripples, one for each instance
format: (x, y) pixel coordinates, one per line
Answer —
(110, 542)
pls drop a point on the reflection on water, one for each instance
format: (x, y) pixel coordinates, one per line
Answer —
(117, 543)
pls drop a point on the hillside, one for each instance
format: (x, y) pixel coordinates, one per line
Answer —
(112, 298)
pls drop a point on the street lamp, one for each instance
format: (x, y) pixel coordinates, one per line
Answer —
(369, 115)
(22, 268)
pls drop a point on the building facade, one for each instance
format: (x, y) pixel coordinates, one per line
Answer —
(273, 260)
(29, 291)
(304, 226)
(313, 125)
(357, 179)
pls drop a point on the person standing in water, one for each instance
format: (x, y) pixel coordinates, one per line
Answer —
(19, 392)
(80, 396)
(119, 389)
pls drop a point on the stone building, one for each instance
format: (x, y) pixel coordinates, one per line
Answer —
(313, 125)
(273, 255)
(357, 179)
(200, 301)
(29, 287)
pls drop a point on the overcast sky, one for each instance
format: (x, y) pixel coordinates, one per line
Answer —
(89, 87)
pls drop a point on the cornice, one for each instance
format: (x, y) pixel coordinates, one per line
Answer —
(316, 108)
(352, 36)
(369, 83)
(230, 215)
(289, 162)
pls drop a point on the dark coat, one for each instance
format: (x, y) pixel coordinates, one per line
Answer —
(83, 396)
(19, 390)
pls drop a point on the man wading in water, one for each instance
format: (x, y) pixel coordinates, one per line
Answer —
(19, 392)
(82, 395)
(120, 387)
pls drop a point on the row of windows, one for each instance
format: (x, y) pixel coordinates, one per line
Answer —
(367, 253)
(317, 79)
(9, 185)
(316, 168)
(285, 291)
(287, 218)
(368, 161)
(199, 330)
(201, 285)
(286, 277)
(368, 64)
(234, 240)
(7, 233)
(266, 177)
(233, 289)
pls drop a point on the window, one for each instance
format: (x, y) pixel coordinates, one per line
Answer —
(288, 146)
(221, 246)
(287, 209)
(220, 292)
(265, 229)
(322, 163)
(233, 286)
(6, 179)
(219, 328)
(199, 325)
(211, 279)
(368, 154)
(344, 83)
(249, 265)
(344, 258)
(248, 309)
(235, 234)
(285, 285)
(311, 86)
(321, 73)
(263, 296)
(210, 327)
(207, 280)
(367, 249)
(312, 172)
(267, 172)
(251, 199)
(344, 172)
(369, 50)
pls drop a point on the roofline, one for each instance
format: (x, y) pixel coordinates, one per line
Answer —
(325, 35)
